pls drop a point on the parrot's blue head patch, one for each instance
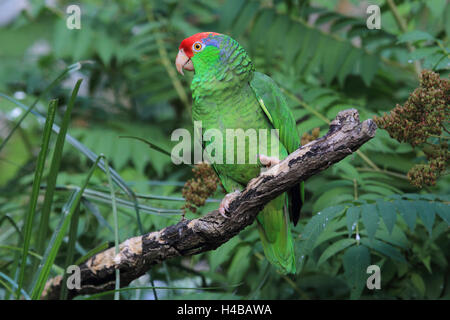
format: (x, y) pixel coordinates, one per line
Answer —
(213, 41)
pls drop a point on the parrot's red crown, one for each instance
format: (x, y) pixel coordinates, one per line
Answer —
(186, 44)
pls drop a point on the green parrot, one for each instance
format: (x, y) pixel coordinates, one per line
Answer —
(227, 94)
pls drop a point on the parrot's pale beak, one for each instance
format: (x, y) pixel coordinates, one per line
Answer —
(183, 62)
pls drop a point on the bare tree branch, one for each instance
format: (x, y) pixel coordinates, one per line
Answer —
(189, 237)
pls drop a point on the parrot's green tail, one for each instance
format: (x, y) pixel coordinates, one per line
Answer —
(275, 233)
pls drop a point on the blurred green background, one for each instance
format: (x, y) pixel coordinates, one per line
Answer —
(325, 59)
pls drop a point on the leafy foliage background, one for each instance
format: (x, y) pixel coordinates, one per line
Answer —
(361, 211)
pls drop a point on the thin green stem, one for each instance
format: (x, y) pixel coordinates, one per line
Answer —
(306, 106)
(55, 267)
(116, 229)
(387, 172)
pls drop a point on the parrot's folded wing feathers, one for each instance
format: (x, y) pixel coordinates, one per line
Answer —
(274, 104)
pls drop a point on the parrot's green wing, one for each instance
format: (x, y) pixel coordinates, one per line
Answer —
(274, 104)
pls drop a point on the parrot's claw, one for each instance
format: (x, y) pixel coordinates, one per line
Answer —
(268, 161)
(224, 205)
(222, 213)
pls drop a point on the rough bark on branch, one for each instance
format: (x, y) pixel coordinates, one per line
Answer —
(189, 237)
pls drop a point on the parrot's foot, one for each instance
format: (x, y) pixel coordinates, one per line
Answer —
(268, 161)
(226, 202)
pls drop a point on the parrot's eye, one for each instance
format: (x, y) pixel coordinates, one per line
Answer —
(198, 46)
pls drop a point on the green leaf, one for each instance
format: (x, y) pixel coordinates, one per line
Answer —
(239, 264)
(420, 53)
(343, 22)
(347, 65)
(426, 214)
(313, 93)
(369, 66)
(443, 211)
(310, 44)
(369, 217)
(447, 20)
(414, 36)
(332, 62)
(387, 212)
(334, 249)
(348, 170)
(83, 43)
(332, 197)
(427, 263)
(223, 253)
(329, 235)
(439, 229)
(324, 102)
(352, 216)
(105, 47)
(356, 260)
(292, 47)
(434, 285)
(30, 108)
(15, 285)
(323, 44)
(53, 174)
(314, 228)
(377, 190)
(245, 17)
(408, 212)
(397, 237)
(261, 26)
(89, 154)
(122, 154)
(418, 282)
(57, 238)
(325, 17)
(116, 227)
(31, 212)
(437, 7)
(385, 249)
(230, 11)
(273, 39)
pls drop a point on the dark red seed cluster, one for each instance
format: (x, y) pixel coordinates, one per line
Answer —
(421, 121)
(199, 188)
